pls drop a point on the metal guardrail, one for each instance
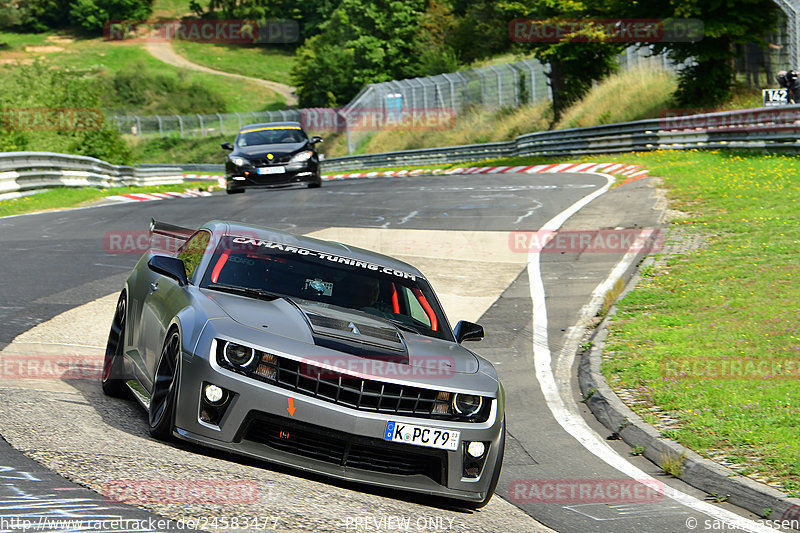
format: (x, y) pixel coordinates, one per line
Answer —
(774, 129)
(771, 128)
(22, 171)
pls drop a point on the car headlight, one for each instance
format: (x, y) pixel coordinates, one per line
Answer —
(467, 404)
(239, 161)
(302, 156)
(238, 355)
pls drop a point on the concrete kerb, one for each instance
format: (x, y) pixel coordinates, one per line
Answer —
(697, 471)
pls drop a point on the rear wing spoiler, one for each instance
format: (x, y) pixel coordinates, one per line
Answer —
(170, 230)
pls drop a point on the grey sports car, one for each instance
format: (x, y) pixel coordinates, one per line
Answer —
(311, 354)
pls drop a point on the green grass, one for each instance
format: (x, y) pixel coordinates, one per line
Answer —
(645, 91)
(170, 8)
(736, 298)
(174, 150)
(255, 61)
(98, 55)
(64, 197)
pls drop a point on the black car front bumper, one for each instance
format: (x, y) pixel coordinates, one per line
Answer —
(254, 177)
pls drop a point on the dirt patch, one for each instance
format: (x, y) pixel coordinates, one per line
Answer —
(59, 39)
(45, 49)
(15, 61)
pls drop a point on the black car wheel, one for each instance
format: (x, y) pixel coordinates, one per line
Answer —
(315, 184)
(112, 362)
(165, 387)
(234, 191)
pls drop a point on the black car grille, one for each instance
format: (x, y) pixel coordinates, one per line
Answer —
(264, 162)
(344, 449)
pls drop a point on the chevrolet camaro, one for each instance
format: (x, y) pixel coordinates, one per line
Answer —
(307, 353)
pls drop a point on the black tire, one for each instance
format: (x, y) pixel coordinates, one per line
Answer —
(495, 474)
(112, 383)
(161, 414)
(234, 191)
(315, 184)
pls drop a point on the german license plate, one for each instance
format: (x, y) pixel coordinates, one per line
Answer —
(442, 439)
(271, 170)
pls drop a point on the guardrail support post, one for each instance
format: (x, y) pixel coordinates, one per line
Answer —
(160, 127)
(180, 123)
(202, 128)
(221, 130)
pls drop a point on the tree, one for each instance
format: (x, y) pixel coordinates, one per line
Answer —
(573, 64)
(708, 76)
(309, 14)
(91, 15)
(363, 42)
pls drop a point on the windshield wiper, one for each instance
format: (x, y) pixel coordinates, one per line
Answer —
(247, 291)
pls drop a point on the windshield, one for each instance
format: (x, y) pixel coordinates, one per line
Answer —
(270, 135)
(401, 297)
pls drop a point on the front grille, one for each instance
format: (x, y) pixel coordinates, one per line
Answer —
(344, 449)
(350, 391)
(269, 162)
(358, 393)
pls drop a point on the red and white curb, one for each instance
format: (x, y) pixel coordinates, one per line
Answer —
(629, 171)
(146, 197)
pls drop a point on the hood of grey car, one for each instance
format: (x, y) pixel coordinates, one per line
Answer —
(352, 333)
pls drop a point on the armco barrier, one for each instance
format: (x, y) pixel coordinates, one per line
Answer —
(774, 129)
(771, 128)
(21, 171)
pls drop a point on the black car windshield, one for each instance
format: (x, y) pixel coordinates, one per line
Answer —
(404, 298)
(270, 135)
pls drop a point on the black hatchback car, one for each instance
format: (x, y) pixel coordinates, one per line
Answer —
(271, 154)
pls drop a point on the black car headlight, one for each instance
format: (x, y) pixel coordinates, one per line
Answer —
(467, 404)
(239, 161)
(238, 355)
(301, 157)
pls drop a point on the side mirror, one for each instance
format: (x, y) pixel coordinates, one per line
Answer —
(227, 146)
(316, 139)
(171, 267)
(467, 331)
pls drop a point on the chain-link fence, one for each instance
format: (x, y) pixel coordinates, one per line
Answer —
(429, 102)
(196, 125)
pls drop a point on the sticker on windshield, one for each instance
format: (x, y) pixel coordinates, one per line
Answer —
(324, 288)
(324, 255)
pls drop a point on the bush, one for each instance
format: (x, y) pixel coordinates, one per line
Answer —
(150, 92)
(37, 89)
(91, 15)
